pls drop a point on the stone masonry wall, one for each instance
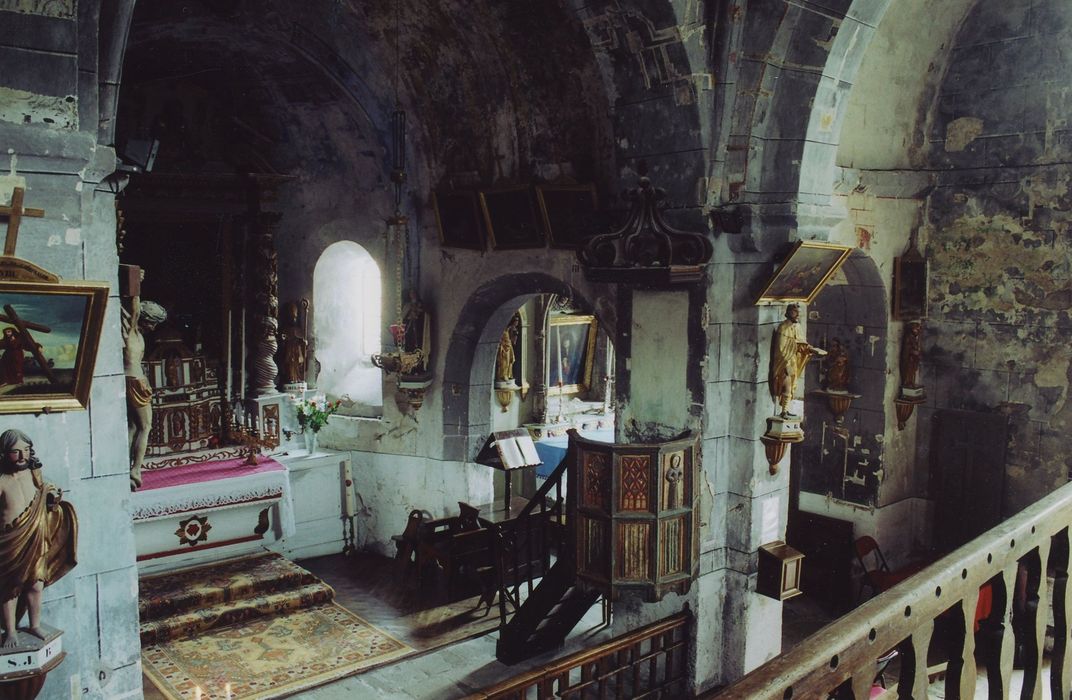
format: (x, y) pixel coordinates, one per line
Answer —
(1000, 237)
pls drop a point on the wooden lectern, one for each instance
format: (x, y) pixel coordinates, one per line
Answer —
(509, 450)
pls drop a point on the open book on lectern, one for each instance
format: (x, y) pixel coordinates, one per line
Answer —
(509, 449)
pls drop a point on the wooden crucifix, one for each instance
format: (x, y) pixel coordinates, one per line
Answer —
(28, 343)
(14, 215)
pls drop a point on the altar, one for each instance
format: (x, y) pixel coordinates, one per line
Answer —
(209, 500)
(206, 506)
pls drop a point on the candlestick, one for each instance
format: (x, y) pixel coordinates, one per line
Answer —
(230, 373)
(242, 358)
(227, 691)
(197, 692)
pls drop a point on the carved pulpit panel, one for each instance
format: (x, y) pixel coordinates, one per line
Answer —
(635, 480)
(636, 524)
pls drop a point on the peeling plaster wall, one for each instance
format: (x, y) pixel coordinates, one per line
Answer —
(999, 237)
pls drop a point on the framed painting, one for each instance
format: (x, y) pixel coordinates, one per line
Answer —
(571, 347)
(510, 217)
(49, 333)
(458, 219)
(569, 213)
(910, 273)
(804, 272)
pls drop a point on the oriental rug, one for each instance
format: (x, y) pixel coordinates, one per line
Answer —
(182, 604)
(271, 656)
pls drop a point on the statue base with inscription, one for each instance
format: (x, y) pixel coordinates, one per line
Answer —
(787, 429)
(24, 667)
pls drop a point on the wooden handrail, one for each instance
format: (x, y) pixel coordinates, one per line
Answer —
(546, 675)
(845, 652)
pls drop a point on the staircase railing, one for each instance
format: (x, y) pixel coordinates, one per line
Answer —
(650, 662)
(1013, 559)
(523, 544)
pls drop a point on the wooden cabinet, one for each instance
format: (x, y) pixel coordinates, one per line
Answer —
(635, 505)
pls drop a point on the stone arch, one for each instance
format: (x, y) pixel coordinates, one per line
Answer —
(470, 358)
(852, 309)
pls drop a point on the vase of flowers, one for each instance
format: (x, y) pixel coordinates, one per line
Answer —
(312, 416)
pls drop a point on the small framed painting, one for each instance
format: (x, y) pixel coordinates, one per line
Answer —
(49, 333)
(807, 268)
(571, 349)
(569, 213)
(510, 217)
(458, 219)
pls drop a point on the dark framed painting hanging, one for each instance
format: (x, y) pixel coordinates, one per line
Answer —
(510, 217)
(569, 213)
(458, 219)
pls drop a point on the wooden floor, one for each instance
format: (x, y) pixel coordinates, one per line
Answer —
(384, 593)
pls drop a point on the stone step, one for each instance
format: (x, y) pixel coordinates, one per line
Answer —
(194, 622)
(177, 593)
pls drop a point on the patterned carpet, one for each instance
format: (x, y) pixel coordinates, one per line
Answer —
(221, 625)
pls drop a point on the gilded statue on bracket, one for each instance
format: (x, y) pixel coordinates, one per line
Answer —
(789, 355)
(38, 536)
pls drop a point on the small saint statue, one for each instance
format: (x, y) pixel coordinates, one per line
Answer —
(838, 372)
(506, 356)
(911, 354)
(143, 317)
(38, 536)
(789, 354)
(295, 345)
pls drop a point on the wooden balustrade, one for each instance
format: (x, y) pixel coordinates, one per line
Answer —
(650, 662)
(841, 658)
(523, 545)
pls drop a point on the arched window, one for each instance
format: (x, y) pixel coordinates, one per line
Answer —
(347, 326)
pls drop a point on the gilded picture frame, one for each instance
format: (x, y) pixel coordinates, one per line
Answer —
(49, 336)
(571, 348)
(804, 272)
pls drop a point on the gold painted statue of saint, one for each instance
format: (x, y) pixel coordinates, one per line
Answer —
(789, 355)
(38, 536)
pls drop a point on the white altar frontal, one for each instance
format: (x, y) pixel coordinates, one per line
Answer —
(210, 505)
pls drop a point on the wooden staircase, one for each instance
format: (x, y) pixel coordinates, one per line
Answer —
(523, 559)
(549, 613)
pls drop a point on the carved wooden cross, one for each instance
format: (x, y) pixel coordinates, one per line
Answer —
(14, 215)
(28, 343)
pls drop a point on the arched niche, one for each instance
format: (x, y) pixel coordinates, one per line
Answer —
(347, 294)
(844, 460)
(469, 368)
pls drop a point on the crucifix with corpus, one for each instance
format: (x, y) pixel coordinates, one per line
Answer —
(22, 341)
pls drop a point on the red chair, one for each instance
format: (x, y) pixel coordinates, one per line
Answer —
(877, 575)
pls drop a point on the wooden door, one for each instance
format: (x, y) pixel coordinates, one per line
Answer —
(968, 472)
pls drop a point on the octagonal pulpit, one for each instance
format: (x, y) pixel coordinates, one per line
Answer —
(634, 515)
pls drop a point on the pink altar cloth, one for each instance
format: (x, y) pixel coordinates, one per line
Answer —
(214, 485)
(206, 471)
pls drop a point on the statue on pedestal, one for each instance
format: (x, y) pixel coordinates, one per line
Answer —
(911, 354)
(295, 344)
(143, 317)
(38, 536)
(838, 373)
(789, 354)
